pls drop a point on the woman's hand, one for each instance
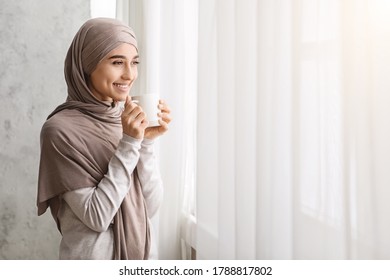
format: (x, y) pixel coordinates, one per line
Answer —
(133, 120)
(165, 119)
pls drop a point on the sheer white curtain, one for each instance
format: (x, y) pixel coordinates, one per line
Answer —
(293, 129)
(290, 140)
(366, 57)
(167, 36)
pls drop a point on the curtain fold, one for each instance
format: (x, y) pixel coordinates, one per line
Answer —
(292, 130)
(366, 40)
(167, 39)
(280, 125)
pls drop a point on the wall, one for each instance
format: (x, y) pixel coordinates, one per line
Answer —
(34, 38)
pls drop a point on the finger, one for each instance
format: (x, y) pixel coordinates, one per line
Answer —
(135, 111)
(128, 101)
(163, 126)
(165, 117)
(164, 108)
(139, 118)
(129, 107)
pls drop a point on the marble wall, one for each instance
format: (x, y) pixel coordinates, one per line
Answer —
(34, 38)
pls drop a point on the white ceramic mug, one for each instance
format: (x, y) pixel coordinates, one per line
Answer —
(149, 104)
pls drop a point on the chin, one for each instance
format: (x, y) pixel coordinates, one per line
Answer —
(120, 98)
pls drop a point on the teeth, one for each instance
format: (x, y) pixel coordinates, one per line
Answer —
(121, 86)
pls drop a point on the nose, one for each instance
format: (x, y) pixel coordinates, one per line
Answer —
(129, 73)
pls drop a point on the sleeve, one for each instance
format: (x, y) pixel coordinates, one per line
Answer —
(150, 178)
(97, 206)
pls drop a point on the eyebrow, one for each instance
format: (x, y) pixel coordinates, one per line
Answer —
(122, 57)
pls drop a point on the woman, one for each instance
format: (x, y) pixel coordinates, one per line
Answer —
(98, 173)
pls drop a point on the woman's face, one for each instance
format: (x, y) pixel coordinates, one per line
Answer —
(114, 75)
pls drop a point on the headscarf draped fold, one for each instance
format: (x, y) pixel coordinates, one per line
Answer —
(81, 135)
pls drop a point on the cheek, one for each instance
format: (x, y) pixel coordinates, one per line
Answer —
(103, 77)
(135, 74)
(92, 81)
(96, 76)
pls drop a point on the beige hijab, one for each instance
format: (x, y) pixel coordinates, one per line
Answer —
(81, 135)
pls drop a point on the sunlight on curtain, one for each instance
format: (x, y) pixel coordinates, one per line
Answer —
(366, 61)
(167, 39)
(280, 121)
(227, 118)
(292, 129)
(319, 70)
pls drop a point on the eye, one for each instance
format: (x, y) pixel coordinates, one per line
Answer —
(117, 62)
(135, 62)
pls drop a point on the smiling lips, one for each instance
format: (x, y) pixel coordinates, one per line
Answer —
(122, 86)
